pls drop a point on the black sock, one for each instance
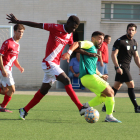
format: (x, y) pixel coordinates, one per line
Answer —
(132, 97)
(115, 91)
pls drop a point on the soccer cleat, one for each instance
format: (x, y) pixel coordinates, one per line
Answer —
(83, 110)
(5, 110)
(110, 118)
(137, 110)
(23, 113)
(104, 109)
(86, 104)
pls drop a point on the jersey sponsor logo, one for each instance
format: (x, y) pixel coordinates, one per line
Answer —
(128, 47)
(134, 47)
(68, 36)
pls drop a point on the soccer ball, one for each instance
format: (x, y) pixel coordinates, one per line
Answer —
(91, 115)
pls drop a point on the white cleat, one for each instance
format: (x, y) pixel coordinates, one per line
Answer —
(23, 113)
(110, 118)
(86, 104)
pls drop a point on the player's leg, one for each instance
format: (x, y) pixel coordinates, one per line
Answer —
(7, 82)
(100, 87)
(68, 87)
(109, 103)
(94, 86)
(7, 98)
(132, 96)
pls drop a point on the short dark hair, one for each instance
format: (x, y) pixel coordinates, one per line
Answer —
(74, 19)
(96, 33)
(132, 25)
(107, 36)
(19, 26)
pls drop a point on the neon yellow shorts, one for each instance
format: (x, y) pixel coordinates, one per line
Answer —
(94, 83)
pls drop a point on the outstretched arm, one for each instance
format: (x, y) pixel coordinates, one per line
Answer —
(13, 19)
(82, 51)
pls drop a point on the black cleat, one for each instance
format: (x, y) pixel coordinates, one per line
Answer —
(137, 110)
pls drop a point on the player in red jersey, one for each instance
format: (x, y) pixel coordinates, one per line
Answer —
(9, 56)
(60, 35)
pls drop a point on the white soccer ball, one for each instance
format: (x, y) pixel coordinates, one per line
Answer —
(91, 115)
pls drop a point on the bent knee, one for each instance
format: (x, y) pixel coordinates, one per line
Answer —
(67, 81)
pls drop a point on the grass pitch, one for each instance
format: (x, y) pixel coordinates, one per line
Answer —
(57, 118)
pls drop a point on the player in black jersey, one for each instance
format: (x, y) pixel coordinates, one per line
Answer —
(123, 49)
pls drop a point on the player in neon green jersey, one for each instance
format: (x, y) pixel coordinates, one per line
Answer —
(93, 80)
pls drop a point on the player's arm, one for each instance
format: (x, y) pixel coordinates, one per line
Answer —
(66, 56)
(115, 61)
(82, 51)
(16, 63)
(105, 77)
(136, 58)
(13, 19)
(4, 73)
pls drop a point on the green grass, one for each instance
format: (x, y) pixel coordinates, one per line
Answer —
(57, 118)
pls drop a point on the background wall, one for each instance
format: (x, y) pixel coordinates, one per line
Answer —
(34, 41)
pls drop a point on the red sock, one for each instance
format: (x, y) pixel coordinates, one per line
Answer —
(6, 101)
(36, 99)
(73, 96)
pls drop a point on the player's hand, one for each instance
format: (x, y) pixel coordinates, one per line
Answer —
(105, 77)
(12, 18)
(120, 71)
(21, 69)
(4, 73)
(94, 55)
(66, 56)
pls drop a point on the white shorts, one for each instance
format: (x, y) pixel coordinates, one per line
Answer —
(7, 81)
(51, 72)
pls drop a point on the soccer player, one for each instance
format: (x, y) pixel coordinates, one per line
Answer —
(60, 35)
(92, 79)
(9, 56)
(123, 49)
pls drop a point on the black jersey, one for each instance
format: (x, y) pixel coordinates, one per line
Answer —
(126, 49)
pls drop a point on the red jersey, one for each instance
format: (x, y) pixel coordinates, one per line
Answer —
(57, 41)
(9, 50)
(104, 51)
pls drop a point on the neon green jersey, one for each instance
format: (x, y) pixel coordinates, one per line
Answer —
(87, 63)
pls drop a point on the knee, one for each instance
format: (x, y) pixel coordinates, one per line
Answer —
(44, 89)
(67, 81)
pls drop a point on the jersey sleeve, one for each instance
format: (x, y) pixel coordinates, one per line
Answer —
(49, 26)
(4, 48)
(71, 40)
(86, 44)
(116, 45)
(135, 46)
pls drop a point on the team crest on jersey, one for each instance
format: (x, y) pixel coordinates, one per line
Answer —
(134, 47)
(126, 41)
(128, 47)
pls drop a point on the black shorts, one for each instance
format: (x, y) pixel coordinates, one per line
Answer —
(126, 76)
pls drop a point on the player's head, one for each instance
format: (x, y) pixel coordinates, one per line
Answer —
(131, 30)
(18, 31)
(72, 24)
(97, 38)
(107, 39)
